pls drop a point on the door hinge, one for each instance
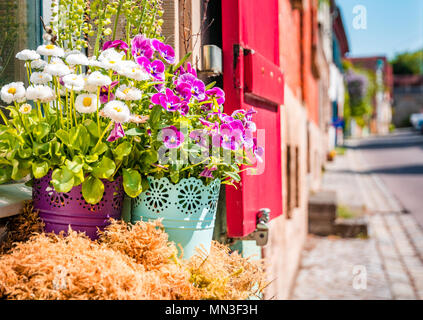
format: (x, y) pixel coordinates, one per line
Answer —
(261, 234)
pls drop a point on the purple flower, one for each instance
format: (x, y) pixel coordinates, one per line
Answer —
(116, 133)
(229, 136)
(205, 122)
(200, 137)
(184, 90)
(106, 94)
(165, 51)
(189, 70)
(250, 125)
(218, 94)
(141, 47)
(247, 139)
(118, 44)
(249, 114)
(208, 172)
(155, 68)
(258, 151)
(183, 108)
(197, 87)
(169, 101)
(172, 137)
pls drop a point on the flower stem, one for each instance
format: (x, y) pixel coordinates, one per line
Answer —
(98, 107)
(103, 134)
(6, 122)
(116, 20)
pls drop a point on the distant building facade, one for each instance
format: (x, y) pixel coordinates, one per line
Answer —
(408, 98)
(381, 117)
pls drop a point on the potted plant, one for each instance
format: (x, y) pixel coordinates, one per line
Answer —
(188, 148)
(128, 119)
(65, 130)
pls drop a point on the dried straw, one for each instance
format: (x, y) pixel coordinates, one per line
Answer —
(127, 262)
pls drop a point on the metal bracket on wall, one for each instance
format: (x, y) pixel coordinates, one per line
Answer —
(261, 234)
(212, 60)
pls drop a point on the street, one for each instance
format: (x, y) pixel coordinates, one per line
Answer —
(398, 160)
(382, 175)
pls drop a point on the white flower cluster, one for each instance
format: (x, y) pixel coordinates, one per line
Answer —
(61, 72)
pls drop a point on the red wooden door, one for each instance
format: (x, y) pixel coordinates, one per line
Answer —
(252, 78)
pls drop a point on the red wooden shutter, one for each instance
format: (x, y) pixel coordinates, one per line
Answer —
(252, 78)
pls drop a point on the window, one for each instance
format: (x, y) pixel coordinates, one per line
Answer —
(19, 29)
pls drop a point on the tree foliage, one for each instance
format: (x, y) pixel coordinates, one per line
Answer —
(408, 63)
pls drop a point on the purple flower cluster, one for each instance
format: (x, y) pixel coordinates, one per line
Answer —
(143, 50)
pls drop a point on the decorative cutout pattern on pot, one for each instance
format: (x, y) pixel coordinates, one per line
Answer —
(59, 210)
(187, 196)
(43, 193)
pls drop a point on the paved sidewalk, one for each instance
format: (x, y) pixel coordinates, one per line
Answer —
(388, 265)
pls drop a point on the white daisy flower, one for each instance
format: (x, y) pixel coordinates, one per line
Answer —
(86, 103)
(79, 59)
(25, 108)
(111, 63)
(38, 64)
(111, 53)
(93, 62)
(134, 72)
(87, 87)
(128, 93)
(40, 78)
(98, 79)
(117, 111)
(50, 50)
(74, 82)
(14, 91)
(40, 93)
(26, 55)
(57, 68)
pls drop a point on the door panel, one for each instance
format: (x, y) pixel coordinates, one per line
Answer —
(252, 78)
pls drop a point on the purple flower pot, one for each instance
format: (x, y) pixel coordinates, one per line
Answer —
(61, 210)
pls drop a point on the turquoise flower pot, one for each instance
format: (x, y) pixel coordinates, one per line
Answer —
(187, 210)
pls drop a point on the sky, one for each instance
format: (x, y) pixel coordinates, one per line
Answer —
(384, 27)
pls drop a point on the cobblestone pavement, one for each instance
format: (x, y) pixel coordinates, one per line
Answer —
(387, 265)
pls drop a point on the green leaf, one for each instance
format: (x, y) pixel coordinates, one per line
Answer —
(183, 60)
(92, 190)
(41, 130)
(104, 169)
(63, 136)
(91, 158)
(79, 138)
(75, 165)
(99, 149)
(134, 132)
(21, 168)
(91, 127)
(40, 169)
(132, 183)
(41, 149)
(5, 174)
(122, 150)
(233, 175)
(174, 176)
(149, 157)
(25, 153)
(62, 180)
(210, 85)
(155, 116)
